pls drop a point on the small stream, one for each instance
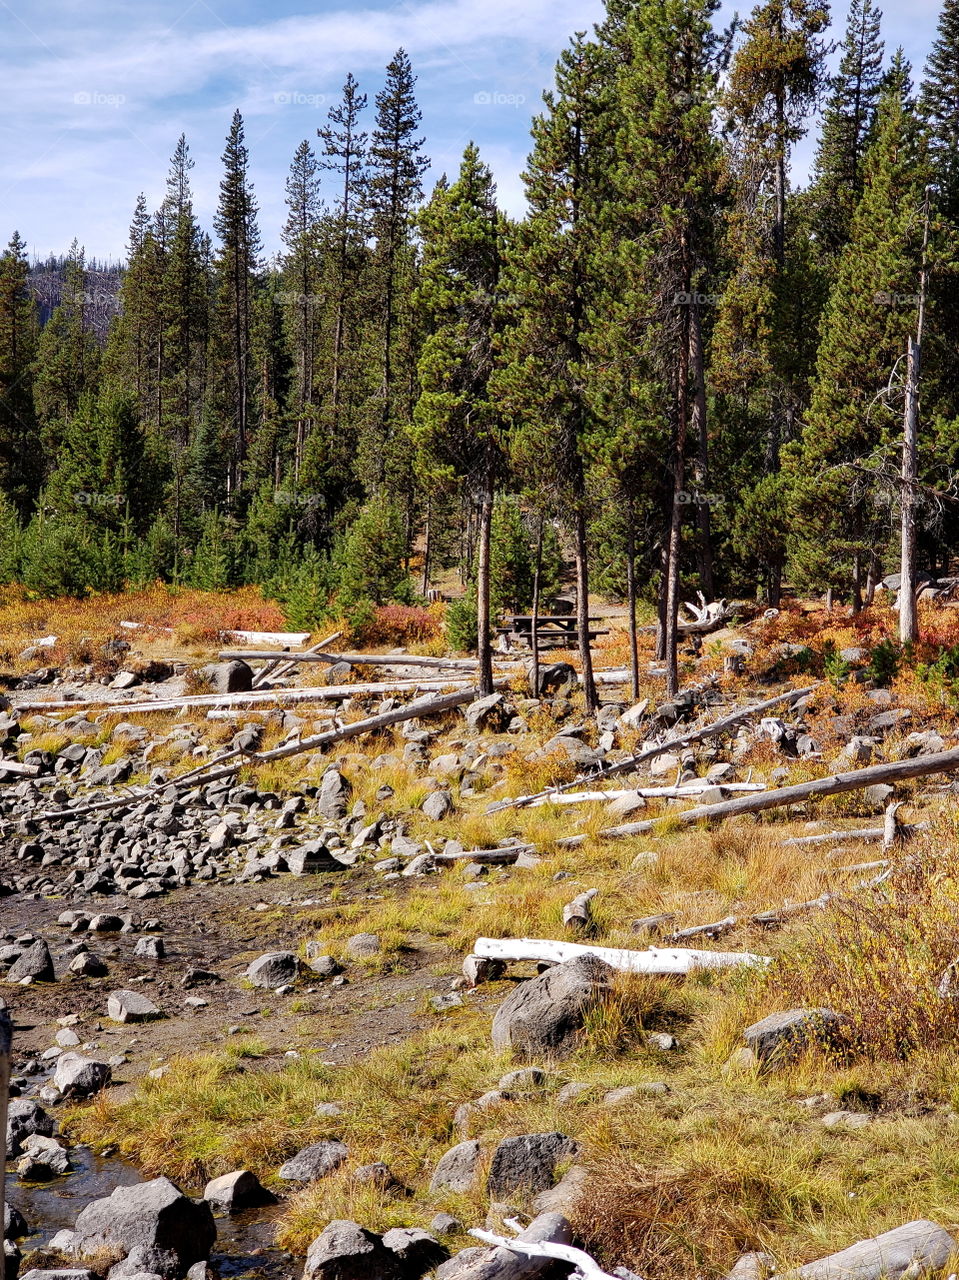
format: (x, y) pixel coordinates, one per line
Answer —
(244, 1245)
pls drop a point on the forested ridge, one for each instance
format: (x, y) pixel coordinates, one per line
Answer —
(681, 367)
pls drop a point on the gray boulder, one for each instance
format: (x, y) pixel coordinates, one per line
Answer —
(36, 963)
(364, 944)
(497, 1263)
(131, 1006)
(153, 1215)
(42, 1158)
(490, 713)
(24, 1117)
(458, 1169)
(346, 1251)
(542, 1017)
(780, 1034)
(527, 1163)
(274, 969)
(60, 1273)
(238, 1190)
(315, 1161)
(334, 794)
(228, 677)
(79, 1077)
(417, 1250)
(14, 1223)
(437, 805)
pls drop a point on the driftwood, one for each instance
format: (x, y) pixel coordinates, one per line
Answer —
(280, 668)
(837, 784)
(279, 639)
(654, 960)
(354, 659)
(681, 792)
(24, 770)
(681, 740)
(523, 1258)
(6, 1044)
(242, 700)
(917, 1247)
(714, 930)
(586, 1267)
(861, 833)
(485, 857)
(578, 914)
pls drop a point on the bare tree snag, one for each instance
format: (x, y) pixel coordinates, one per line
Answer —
(578, 914)
(654, 960)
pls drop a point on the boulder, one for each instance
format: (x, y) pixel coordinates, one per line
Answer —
(228, 677)
(780, 1034)
(42, 1158)
(131, 1006)
(346, 1251)
(24, 1117)
(36, 963)
(438, 805)
(315, 1161)
(238, 1190)
(79, 1077)
(60, 1273)
(417, 1250)
(364, 944)
(153, 1215)
(458, 1169)
(542, 1017)
(489, 713)
(556, 679)
(527, 1163)
(14, 1223)
(497, 1263)
(334, 794)
(273, 969)
(88, 965)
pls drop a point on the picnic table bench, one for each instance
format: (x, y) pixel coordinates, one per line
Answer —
(553, 631)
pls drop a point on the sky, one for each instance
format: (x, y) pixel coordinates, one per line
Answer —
(95, 93)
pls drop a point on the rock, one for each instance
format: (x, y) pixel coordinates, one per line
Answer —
(131, 1006)
(314, 1162)
(346, 1251)
(25, 1117)
(444, 1224)
(335, 791)
(36, 963)
(543, 1016)
(564, 1197)
(325, 966)
(238, 1190)
(364, 944)
(273, 969)
(497, 1263)
(527, 1163)
(910, 1250)
(664, 765)
(877, 796)
(310, 859)
(847, 1120)
(556, 679)
(14, 1223)
(490, 714)
(458, 1169)
(889, 719)
(60, 1273)
(378, 1175)
(523, 1079)
(753, 1266)
(150, 949)
(338, 673)
(43, 1157)
(79, 1077)
(88, 965)
(228, 677)
(438, 805)
(153, 1215)
(416, 1250)
(105, 923)
(781, 1033)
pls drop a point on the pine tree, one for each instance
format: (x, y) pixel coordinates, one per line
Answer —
(68, 358)
(393, 190)
(302, 270)
(550, 286)
(852, 427)
(456, 427)
(20, 464)
(237, 264)
(846, 129)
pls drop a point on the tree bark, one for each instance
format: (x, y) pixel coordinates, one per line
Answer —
(631, 603)
(701, 457)
(534, 637)
(676, 523)
(484, 651)
(582, 610)
(908, 616)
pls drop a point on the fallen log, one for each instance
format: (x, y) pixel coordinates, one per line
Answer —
(485, 857)
(653, 960)
(681, 740)
(354, 659)
(22, 770)
(526, 1246)
(279, 639)
(648, 793)
(860, 833)
(243, 700)
(916, 1247)
(6, 1046)
(578, 913)
(837, 784)
(281, 668)
(714, 930)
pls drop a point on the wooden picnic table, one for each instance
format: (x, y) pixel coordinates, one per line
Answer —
(552, 630)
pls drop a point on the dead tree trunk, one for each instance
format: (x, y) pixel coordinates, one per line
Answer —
(483, 646)
(534, 634)
(631, 602)
(704, 547)
(582, 608)
(676, 524)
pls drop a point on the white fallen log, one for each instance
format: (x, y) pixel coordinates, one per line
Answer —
(146, 626)
(653, 960)
(15, 766)
(424, 862)
(280, 668)
(916, 1247)
(686, 789)
(284, 639)
(586, 1267)
(263, 697)
(837, 784)
(354, 659)
(6, 1046)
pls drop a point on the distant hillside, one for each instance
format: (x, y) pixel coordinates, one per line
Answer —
(103, 290)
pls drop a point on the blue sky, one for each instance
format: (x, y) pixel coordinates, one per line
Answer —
(96, 92)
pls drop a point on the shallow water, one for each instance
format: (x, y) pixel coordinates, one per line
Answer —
(244, 1243)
